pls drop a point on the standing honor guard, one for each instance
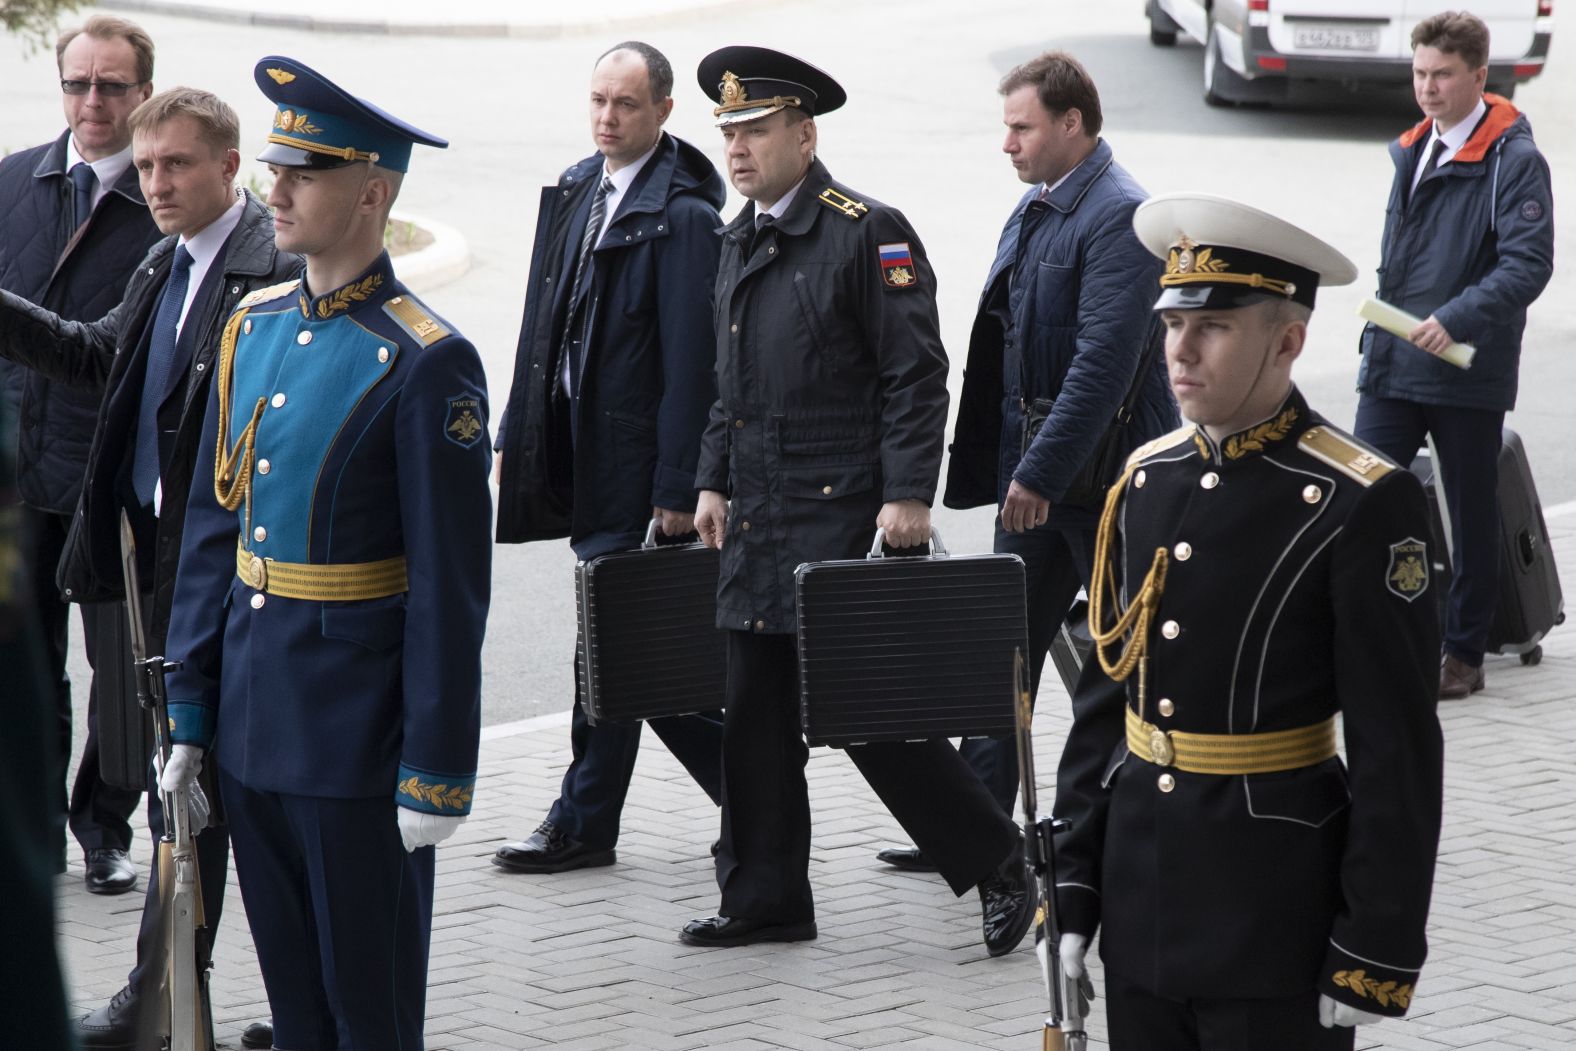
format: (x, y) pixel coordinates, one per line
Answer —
(333, 586)
(829, 423)
(1250, 886)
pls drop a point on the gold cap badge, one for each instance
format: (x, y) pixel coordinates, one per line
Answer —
(732, 91)
(280, 76)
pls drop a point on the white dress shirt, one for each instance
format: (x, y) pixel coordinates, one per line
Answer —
(1453, 139)
(204, 247)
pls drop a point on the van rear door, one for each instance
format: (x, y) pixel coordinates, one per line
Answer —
(1340, 28)
(1511, 24)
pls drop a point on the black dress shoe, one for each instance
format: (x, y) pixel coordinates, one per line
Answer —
(112, 1027)
(909, 859)
(549, 849)
(258, 1035)
(725, 931)
(109, 871)
(1007, 902)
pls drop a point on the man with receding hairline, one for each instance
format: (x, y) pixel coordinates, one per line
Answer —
(611, 386)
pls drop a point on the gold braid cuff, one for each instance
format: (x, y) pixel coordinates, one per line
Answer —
(1140, 613)
(1231, 754)
(232, 467)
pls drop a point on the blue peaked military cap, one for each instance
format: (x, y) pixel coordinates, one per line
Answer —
(318, 124)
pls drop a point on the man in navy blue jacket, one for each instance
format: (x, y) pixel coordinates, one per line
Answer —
(613, 380)
(73, 226)
(1062, 323)
(1468, 245)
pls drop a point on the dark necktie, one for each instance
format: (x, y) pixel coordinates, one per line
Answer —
(161, 359)
(588, 240)
(763, 223)
(82, 179)
(1434, 155)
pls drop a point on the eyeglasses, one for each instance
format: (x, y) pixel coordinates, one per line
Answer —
(110, 89)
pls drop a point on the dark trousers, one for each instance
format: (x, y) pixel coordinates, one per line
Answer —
(213, 862)
(1138, 1020)
(591, 798)
(1468, 442)
(1056, 563)
(340, 914)
(98, 813)
(763, 866)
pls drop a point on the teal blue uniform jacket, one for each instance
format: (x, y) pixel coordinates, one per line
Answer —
(371, 443)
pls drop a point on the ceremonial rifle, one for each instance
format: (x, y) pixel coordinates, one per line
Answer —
(184, 1018)
(1064, 1026)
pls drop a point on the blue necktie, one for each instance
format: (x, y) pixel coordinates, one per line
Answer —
(82, 178)
(161, 359)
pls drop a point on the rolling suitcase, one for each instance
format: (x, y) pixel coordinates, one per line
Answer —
(909, 648)
(1530, 600)
(648, 643)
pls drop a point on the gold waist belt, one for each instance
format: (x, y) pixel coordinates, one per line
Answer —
(331, 582)
(1231, 754)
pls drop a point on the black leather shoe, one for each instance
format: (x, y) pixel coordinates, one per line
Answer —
(549, 849)
(725, 931)
(258, 1035)
(909, 859)
(109, 871)
(112, 1027)
(1007, 902)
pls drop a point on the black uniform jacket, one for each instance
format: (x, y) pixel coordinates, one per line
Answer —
(112, 354)
(1297, 589)
(832, 390)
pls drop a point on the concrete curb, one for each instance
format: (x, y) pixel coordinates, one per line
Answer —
(446, 258)
(345, 18)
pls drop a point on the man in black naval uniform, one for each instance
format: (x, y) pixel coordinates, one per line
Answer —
(1251, 889)
(832, 401)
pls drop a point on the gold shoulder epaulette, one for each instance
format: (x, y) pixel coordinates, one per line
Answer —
(263, 295)
(1345, 453)
(841, 202)
(413, 318)
(1165, 441)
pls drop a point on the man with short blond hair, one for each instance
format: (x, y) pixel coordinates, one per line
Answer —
(152, 354)
(1468, 245)
(73, 227)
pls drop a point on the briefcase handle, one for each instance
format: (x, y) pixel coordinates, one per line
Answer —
(651, 534)
(937, 548)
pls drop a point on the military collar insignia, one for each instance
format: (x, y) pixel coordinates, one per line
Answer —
(347, 297)
(1288, 422)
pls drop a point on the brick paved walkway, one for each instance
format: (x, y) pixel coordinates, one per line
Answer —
(590, 960)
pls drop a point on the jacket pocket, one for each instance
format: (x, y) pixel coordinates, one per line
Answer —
(820, 333)
(1055, 295)
(1310, 796)
(831, 482)
(374, 627)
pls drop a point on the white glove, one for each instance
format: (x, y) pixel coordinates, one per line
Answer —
(417, 829)
(182, 769)
(1072, 949)
(1332, 1014)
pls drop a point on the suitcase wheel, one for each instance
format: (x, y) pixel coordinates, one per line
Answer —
(1533, 656)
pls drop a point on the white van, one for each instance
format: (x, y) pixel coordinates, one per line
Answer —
(1254, 50)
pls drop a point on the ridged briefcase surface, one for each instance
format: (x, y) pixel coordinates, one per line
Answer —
(125, 730)
(901, 649)
(649, 644)
(1530, 599)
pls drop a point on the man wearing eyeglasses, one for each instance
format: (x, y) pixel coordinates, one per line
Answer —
(73, 226)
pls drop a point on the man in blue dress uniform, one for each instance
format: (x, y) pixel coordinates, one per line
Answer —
(333, 586)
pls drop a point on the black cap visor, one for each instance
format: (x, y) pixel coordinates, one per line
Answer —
(282, 156)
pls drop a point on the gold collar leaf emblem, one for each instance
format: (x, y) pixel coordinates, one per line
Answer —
(1254, 439)
(281, 77)
(732, 91)
(355, 292)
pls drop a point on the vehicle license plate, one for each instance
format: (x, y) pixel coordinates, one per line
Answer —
(1336, 38)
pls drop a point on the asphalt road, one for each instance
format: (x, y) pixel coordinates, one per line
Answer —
(922, 131)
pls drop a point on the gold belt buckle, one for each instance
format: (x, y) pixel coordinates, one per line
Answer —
(259, 571)
(1160, 747)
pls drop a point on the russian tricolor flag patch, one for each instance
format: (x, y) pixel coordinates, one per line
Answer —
(897, 264)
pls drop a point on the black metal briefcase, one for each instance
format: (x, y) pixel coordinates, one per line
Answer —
(648, 644)
(909, 648)
(125, 729)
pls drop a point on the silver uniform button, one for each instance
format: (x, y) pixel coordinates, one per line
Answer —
(303, 338)
(1210, 480)
(258, 600)
(1312, 494)
(263, 467)
(259, 534)
(1183, 551)
(246, 326)
(1139, 479)
(1166, 707)
(279, 400)
(383, 355)
(1166, 782)
(1170, 629)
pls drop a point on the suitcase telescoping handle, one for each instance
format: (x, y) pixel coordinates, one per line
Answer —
(937, 548)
